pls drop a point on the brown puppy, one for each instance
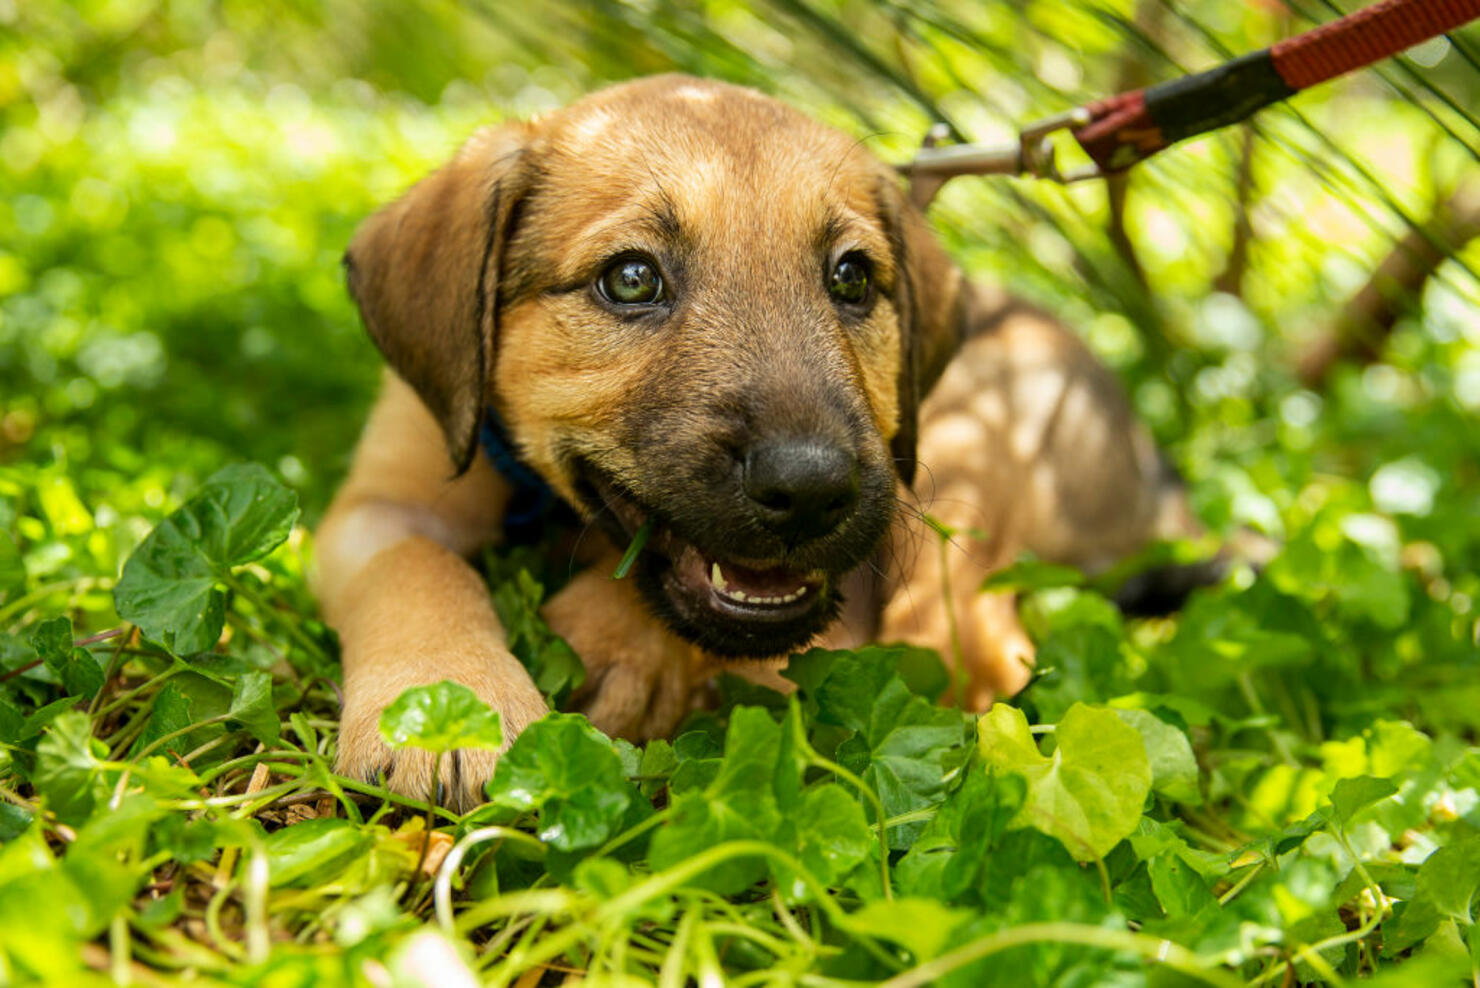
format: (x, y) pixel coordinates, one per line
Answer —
(690, 305)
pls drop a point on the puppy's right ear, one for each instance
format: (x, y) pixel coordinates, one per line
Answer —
(424, 272)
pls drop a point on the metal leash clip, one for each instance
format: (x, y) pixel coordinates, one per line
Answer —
(1034, 155)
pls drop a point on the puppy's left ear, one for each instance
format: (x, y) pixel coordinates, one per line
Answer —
(424, 271)
(938, 309)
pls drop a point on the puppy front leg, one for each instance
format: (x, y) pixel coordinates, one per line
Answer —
(418, 614)
(639, 675)
(409, 610)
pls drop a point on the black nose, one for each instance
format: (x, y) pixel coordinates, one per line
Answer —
(801, 488)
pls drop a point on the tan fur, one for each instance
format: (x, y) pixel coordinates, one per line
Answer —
(1026, 443)
(640, 678)
(475, 286)
(408, 609)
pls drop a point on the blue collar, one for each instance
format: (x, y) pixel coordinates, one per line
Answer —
(534, 501)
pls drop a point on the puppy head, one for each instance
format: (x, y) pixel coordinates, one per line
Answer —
(693, 306)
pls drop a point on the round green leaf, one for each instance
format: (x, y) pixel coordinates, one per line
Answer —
(1173, 765)
(1089, 792)
(441, 717)
(569, 774)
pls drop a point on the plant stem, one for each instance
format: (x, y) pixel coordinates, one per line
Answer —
(125, 698)
(110, 671)
(1151, 948)
(265, 607)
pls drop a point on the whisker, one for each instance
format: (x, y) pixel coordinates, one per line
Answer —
(575, 549)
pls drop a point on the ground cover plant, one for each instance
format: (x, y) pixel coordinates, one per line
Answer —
(1279, 784)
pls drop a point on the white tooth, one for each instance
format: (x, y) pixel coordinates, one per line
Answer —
(716, 577)
(736, 595)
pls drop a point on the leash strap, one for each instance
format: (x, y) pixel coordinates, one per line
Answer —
(1120, 131)
(1131, 127)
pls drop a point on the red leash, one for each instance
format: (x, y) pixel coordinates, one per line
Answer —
(1120, 131)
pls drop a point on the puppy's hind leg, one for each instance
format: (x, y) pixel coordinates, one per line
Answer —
(1026, 443)
(933, 598)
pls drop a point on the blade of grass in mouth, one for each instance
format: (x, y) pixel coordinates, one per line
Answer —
(633, 548)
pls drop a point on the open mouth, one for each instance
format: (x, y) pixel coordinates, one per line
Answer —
(756, 591)
(728, 604)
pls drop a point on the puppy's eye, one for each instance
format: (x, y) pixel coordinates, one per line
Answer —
(849, 282)
(631, 281)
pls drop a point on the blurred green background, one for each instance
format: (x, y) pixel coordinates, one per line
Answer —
(180, 179)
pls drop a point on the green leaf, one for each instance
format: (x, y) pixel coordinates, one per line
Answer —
(1090, 791)
(1032, 574)
(569, 775)
(945, 860)
(37, 720)
(903, 745)
(38, 896)
(52, 638)
(170, 712)
(699, 756)
(553, 665)
(828, 833)
(160, 913)
(1081, 663)
(76, 669)
(1180, 890)
(1173, 765)
(69, 769)
(441, 717)
(252, 707)
(655, 766)
(809, 669)
(739, 804)
(1046, 611)
(313, 852)
(11, 724)
(164, 779)
(1447, 884)
(13, 821)
(1179, 875)
(603, 877)
(921, 926)
(1397, 748)
(169, 584)
(1369, 589)
(1350, 796)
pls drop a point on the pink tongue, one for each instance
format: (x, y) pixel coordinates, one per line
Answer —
(775, 582)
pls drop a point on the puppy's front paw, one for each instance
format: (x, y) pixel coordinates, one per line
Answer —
(633, 694)
(638, 674)
(363, 754)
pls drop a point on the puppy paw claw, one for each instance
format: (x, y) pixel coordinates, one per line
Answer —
(458, 783)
